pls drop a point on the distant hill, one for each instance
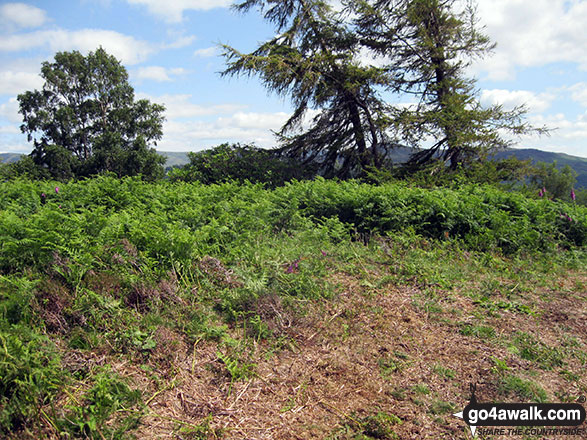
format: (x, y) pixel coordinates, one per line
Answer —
(401, 154)
(579, 164)
(9, 157)
(175, 158)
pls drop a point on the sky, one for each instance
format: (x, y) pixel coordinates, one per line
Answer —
(170, 49)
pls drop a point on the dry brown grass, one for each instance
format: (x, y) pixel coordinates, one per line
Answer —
(367, 351)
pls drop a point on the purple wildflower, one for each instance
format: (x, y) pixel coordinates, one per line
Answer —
(573, 196)
(43, 198)
(56, 190)
(323, 253)
(293, 266)
(540, 193)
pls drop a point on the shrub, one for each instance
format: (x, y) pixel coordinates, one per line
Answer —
(31, 375)
(240, 162)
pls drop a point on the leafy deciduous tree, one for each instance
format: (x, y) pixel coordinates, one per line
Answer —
(85, 120)
(240, 162)
(558, 182)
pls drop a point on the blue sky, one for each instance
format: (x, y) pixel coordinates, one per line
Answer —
(169, 48)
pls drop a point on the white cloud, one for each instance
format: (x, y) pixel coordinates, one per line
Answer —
(9, 111)
(533, 33)
(256, 121)
(207, 52)
(9, 129)
(244, 127)
(579, 93)
(21, 15)
(172, 11)
(180, 106)
(509, 99)
(13, 83)
(11, 138)
(568, 135)
(365, 57)
(128, 49)
(155, 73)
(192, 136)
(181, 42)
(190, 126)
(158, 73)
(15, 147)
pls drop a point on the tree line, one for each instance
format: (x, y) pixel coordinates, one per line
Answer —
(343, 63)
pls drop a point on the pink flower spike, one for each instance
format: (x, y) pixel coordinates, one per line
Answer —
(56, 190)
(573, 196)
(323, 253)
(540, 194)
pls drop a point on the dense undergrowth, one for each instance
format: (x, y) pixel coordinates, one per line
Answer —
(97, 268)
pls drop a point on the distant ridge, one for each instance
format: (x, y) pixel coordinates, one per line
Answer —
(175, 158)
(400, 155)
(10, 157)
(579, 164)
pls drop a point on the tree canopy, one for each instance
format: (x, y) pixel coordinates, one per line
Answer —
(312, 61)
(86, 121)
(240, 163)
(429, 44)
(320, 60)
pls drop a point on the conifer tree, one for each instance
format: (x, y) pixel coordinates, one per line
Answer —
(312, 60)
(428, 45)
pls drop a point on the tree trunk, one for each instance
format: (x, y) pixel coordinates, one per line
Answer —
(358, 133)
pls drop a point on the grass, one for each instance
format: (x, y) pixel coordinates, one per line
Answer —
(375, 426)
(444, 372)
(527, 390)
(131, 309)
(389, 365)
(479, 331)
(527, 347)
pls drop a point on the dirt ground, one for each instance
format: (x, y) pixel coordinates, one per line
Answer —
(368, 351)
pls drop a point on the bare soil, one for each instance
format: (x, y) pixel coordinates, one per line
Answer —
(366, 351)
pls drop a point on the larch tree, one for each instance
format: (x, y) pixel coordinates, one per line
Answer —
(312, 61)
(428, 46)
